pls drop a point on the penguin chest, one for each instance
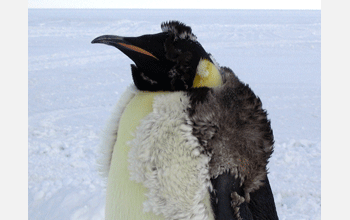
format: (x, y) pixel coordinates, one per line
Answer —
(158, 168)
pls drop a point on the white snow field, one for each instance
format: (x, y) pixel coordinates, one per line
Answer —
(73, 85)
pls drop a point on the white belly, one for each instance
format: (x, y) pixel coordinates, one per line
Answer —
(125, 198)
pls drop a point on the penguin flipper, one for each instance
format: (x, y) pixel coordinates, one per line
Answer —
(226, 204)
(262, 204)
(226, 189)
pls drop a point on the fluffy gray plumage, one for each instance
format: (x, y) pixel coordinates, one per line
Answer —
(232, 126)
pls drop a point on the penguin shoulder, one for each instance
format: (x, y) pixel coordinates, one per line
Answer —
(230, 123)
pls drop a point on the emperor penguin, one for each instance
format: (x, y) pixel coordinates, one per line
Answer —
(188, 140)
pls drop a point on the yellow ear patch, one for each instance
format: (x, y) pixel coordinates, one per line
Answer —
(207, 75)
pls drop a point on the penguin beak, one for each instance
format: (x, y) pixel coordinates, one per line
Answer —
(124, 45)
(147, 52)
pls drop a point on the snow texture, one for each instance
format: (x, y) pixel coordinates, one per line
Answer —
(73, 86)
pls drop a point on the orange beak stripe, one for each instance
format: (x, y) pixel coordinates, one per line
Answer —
(139, 50)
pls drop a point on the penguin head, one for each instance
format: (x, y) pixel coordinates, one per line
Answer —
(172, 60)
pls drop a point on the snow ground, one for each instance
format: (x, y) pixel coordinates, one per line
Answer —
(73, 85)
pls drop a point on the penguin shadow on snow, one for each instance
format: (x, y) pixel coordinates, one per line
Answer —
(201, 148)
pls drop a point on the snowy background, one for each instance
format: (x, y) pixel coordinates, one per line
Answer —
(73, 85)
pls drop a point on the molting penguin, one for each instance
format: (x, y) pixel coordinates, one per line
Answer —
(189, 140)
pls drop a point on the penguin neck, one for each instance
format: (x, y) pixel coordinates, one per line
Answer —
(207, 75)
(152, 93)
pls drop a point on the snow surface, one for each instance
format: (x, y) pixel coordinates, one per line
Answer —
(73, 85)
